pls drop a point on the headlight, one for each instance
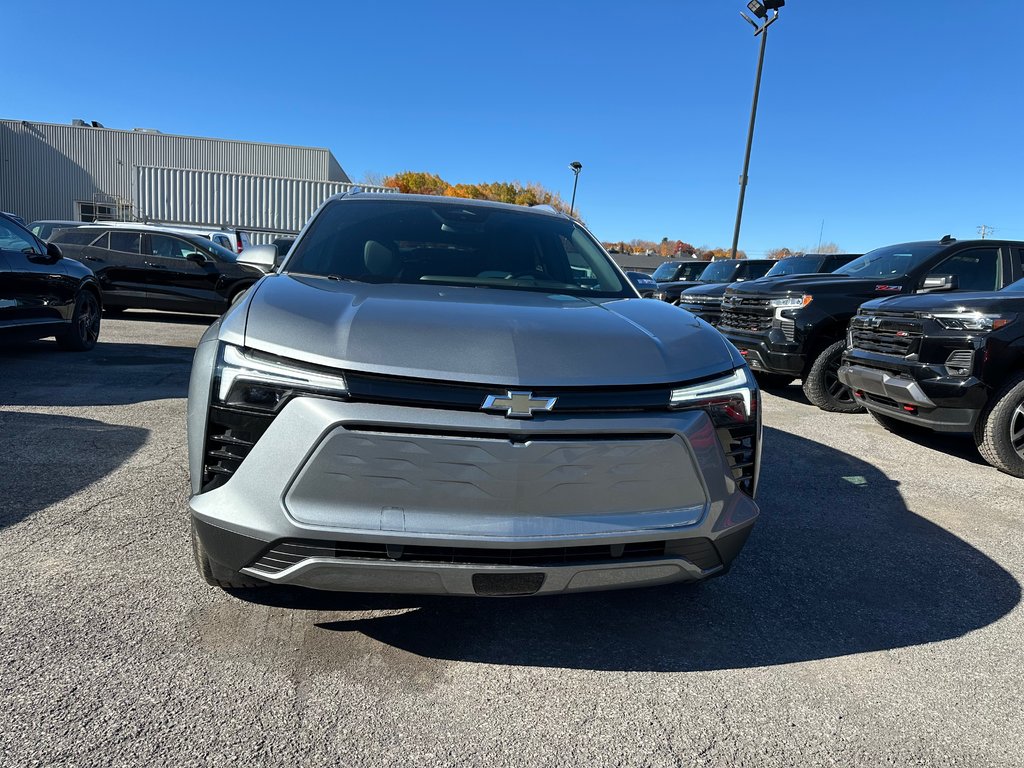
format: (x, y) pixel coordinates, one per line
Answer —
(257, 380)
(729, 399)
(791, 302)
(972, 321)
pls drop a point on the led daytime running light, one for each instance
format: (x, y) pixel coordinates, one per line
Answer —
(734, 384)
(236, 366)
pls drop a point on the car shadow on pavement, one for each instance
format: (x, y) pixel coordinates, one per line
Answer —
(46, 458)
(836, 565)
(36, 373)
(152, 316)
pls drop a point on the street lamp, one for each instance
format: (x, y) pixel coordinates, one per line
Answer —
(575, 166)
(760, 9)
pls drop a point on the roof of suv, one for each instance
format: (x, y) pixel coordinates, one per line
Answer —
(401, 197)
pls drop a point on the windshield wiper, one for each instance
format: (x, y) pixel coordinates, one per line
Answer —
(344, 279)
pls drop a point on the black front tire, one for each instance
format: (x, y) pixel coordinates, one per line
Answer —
(823, 387)
(216, 575)
(83, 331)
(999, 433)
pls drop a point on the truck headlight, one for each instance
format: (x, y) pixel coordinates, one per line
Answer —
(972, 321)
(250, 379)
(729, 399)
(791, 302)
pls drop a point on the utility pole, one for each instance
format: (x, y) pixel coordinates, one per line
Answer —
(984, 230)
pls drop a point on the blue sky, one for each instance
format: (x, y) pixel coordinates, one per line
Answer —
(887, 120)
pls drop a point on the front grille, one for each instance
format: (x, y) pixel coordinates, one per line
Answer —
(886, 335)
(230, 435)
(746, 313)
(390, 390)
(284, 554)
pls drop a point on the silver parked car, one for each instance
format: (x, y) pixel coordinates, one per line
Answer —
(447, 396)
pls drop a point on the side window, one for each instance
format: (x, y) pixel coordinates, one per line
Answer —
(757, 269)
(12, 239)
(128, 242)
(169, 247)
(103, 241)
(976, 269)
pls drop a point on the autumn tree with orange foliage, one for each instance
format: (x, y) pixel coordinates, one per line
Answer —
(419, 183)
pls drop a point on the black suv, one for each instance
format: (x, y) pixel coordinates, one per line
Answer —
(795, 327)
(948, 363)
(43, 294)
(705, 300)
(159, 270)
(672, 271)
(721, 272)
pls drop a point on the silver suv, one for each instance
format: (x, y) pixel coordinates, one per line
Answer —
(446, 396)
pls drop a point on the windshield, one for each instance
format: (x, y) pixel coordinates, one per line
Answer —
(795, 265)
(219, 251)
(891, 261)
(720, 272)
(458, 243)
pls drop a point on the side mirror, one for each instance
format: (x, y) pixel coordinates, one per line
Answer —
(940, 283)
(197, 257)
(263, 257)
(54, 252)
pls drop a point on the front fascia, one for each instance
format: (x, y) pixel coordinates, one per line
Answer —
(253, 502)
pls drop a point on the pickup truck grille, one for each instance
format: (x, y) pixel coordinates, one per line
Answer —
(886, 335)
(746, 313)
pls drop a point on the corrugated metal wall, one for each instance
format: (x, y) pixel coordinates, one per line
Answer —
(45, 168)
(232, 199)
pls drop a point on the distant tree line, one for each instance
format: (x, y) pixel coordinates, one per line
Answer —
(421, 183)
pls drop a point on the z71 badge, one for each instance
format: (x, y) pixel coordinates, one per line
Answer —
(888, 287)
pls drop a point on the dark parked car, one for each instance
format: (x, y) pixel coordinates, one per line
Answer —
(445, 396)
(148, 269)
(673, 271)
(644, 284)
(950, 363)
(720, 273)
(44, 294)
(44, 229)
(705, 300)
(795, 327)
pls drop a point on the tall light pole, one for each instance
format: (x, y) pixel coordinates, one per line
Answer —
(575, 166)
(760, 9)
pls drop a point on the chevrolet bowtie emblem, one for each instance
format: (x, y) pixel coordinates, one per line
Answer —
(518, 405)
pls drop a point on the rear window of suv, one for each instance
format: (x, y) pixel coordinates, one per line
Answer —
(455, 244)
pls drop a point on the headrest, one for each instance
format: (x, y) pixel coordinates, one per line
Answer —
(380, 260)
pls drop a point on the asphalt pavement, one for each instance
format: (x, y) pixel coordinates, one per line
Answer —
(872, 620)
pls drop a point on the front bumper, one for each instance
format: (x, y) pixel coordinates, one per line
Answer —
(360, 497)
(770, 352)
(916, 394)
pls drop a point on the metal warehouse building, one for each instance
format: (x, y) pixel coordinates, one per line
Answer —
(88, 172)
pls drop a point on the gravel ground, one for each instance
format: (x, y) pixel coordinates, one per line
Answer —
(872, 620)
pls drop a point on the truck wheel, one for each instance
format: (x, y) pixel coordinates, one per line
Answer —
(218, 576)
(823, 387)
(999, 433)
(772, 380)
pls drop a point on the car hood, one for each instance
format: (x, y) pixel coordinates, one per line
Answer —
(787, 285)
(706, 289)
(480, 335)
(986, 301)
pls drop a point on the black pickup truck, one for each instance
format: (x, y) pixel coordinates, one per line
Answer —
(947, 363)
(723, 271)
(705, 301)
(795, 327)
